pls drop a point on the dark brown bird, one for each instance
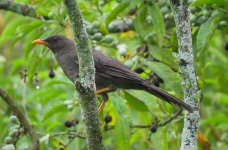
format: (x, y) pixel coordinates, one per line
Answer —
(110, 73)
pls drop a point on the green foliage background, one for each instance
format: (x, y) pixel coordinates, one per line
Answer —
(50, 102)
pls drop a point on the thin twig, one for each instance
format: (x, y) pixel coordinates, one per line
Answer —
(21, 117)
(139, 126)
(168, 120)
(106, 127)
(24, 95)
(76, 134)
(20, 8)
(159, 124)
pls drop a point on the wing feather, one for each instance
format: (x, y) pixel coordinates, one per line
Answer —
(112, 67)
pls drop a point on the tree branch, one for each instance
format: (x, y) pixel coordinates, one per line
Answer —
(69, 133)
(115, 26)
(23, 120)
(86, 85)
(186, 65)
(159, 124)
(168, 120)
(20, 8)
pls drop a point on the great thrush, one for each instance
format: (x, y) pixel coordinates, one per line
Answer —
(110, 73)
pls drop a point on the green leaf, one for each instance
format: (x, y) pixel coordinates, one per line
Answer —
(57, 108)
(41, 10)
(158, 21)
(56, 82)
(171, 78)
(24, 29)
(118, 103)
(203, 2)
(144, 28)
(122, 134)
(33, 63)
(9, 31)
(223, 126)
(165, 139)
(103, 29)
(205, 32)
(223, 98)
(116, 11)
(163, 55)
(120, 106)
(146, 98)
(17, 64)
(134, 102)
(28, 46)
(139, 20)
(45, 139)
(221, 118)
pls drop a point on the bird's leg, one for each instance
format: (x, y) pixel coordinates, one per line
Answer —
(104, 95)
(105, 99)
(104, 90)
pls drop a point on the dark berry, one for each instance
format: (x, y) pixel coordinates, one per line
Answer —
(132, 11)
(157, 84)
(71, 123)
(139, 70)
(95, 25)
(14, 120)
(141, 48)
(153, 128)
(97, 36)
(21, 130)
(14, 133)
(51, 73)
(146, 54)
(226, 46)
(108, 39)
(108, 118)
(125, 29)
(75, 121)
(8, 140)
(68, 124)
(160, 80)
(157, 81)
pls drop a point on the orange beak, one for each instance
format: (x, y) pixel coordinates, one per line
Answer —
(39, 41)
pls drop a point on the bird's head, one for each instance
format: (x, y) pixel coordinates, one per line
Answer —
(55, 43)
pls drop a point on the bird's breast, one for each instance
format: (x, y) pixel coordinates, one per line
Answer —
(69, 65)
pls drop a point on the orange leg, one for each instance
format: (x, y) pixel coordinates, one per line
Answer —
(103, 90)
(105, 99)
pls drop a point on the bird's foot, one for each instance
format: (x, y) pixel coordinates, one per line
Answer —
(105, 99)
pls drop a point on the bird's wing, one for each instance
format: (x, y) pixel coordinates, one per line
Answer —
(112, 67)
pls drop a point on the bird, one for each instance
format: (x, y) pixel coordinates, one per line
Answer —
(110, 74)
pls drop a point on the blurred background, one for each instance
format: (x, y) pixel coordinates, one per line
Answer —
(142, 35)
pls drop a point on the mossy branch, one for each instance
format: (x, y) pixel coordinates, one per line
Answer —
(186, 66)
(20, 8)
(86, 83)
(21, 117)
(120, 25)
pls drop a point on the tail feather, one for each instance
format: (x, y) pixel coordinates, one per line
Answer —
(166, 97)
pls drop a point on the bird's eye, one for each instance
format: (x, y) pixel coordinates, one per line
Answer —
(55, 39)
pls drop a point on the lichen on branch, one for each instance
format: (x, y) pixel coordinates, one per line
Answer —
(20, 8)
(187, 72)
(86, 82)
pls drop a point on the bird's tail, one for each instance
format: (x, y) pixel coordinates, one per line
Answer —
(156, 91)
